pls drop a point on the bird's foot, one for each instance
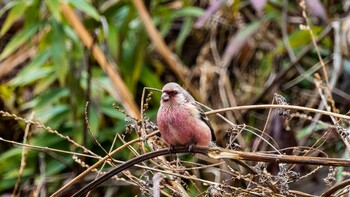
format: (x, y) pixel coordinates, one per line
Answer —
(171, 149)
(190, 147)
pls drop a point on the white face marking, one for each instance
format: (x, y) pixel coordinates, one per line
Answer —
(180, 98)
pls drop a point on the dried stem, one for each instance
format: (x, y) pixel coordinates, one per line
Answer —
(101, 161)
(245, 107)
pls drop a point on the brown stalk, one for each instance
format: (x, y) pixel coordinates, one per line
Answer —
(123, 94)
(264, 157)
(24, 156)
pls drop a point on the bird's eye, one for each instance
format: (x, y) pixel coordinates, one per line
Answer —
(175, 92)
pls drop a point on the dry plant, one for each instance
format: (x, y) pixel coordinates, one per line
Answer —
(219, 171)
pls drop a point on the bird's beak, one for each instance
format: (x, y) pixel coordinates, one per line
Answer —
(165, 96)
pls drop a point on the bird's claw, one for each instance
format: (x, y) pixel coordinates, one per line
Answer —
(190, 147)
(171, 149)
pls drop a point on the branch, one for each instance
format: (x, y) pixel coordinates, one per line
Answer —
(218, 153)
(136, 160)
(279, 106)
(336, 187)
(221, 153)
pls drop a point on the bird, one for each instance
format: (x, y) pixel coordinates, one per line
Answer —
(181, 121)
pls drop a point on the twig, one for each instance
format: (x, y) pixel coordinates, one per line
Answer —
(41, 148)
(314, 42)
(89, 129)
(263, 157)
(264, 129)
(336, 188)
(136, 160)
(99, 162)
(41, 188)
(39, 125)
(24, 156)
(245, 107)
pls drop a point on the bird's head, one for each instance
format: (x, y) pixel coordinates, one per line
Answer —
(173, 93)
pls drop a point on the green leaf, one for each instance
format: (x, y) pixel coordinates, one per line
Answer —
(6, 184)
(32, 76)
(188, 11)
(108, 109)
(58, 49)
(8, 6)
(49, 113)
(94, 117)
(19, 39)
(185, 30)
(53, 6)
(15, 13)
(113, 39)
(51, 96)
(139, 54)
(44, 84)
(33, 71)
(8, 155)
(85, 7)
(54, 166)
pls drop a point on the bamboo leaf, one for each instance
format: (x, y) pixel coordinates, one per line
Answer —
(53, 6)
(19, 39)
(15, 13)
(85, 7)
(33, 70)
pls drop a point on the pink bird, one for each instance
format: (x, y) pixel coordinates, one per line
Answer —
(181, 121)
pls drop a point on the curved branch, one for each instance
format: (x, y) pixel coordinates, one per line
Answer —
(336, 188)
(165, 151)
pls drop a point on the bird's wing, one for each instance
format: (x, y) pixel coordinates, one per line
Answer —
(205, 119)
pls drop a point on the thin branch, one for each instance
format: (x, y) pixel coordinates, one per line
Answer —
(45, 149)
(336, 187)
(24, 156)
(101, 161)
(263, 157)
(294, 107)
(136, 160)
